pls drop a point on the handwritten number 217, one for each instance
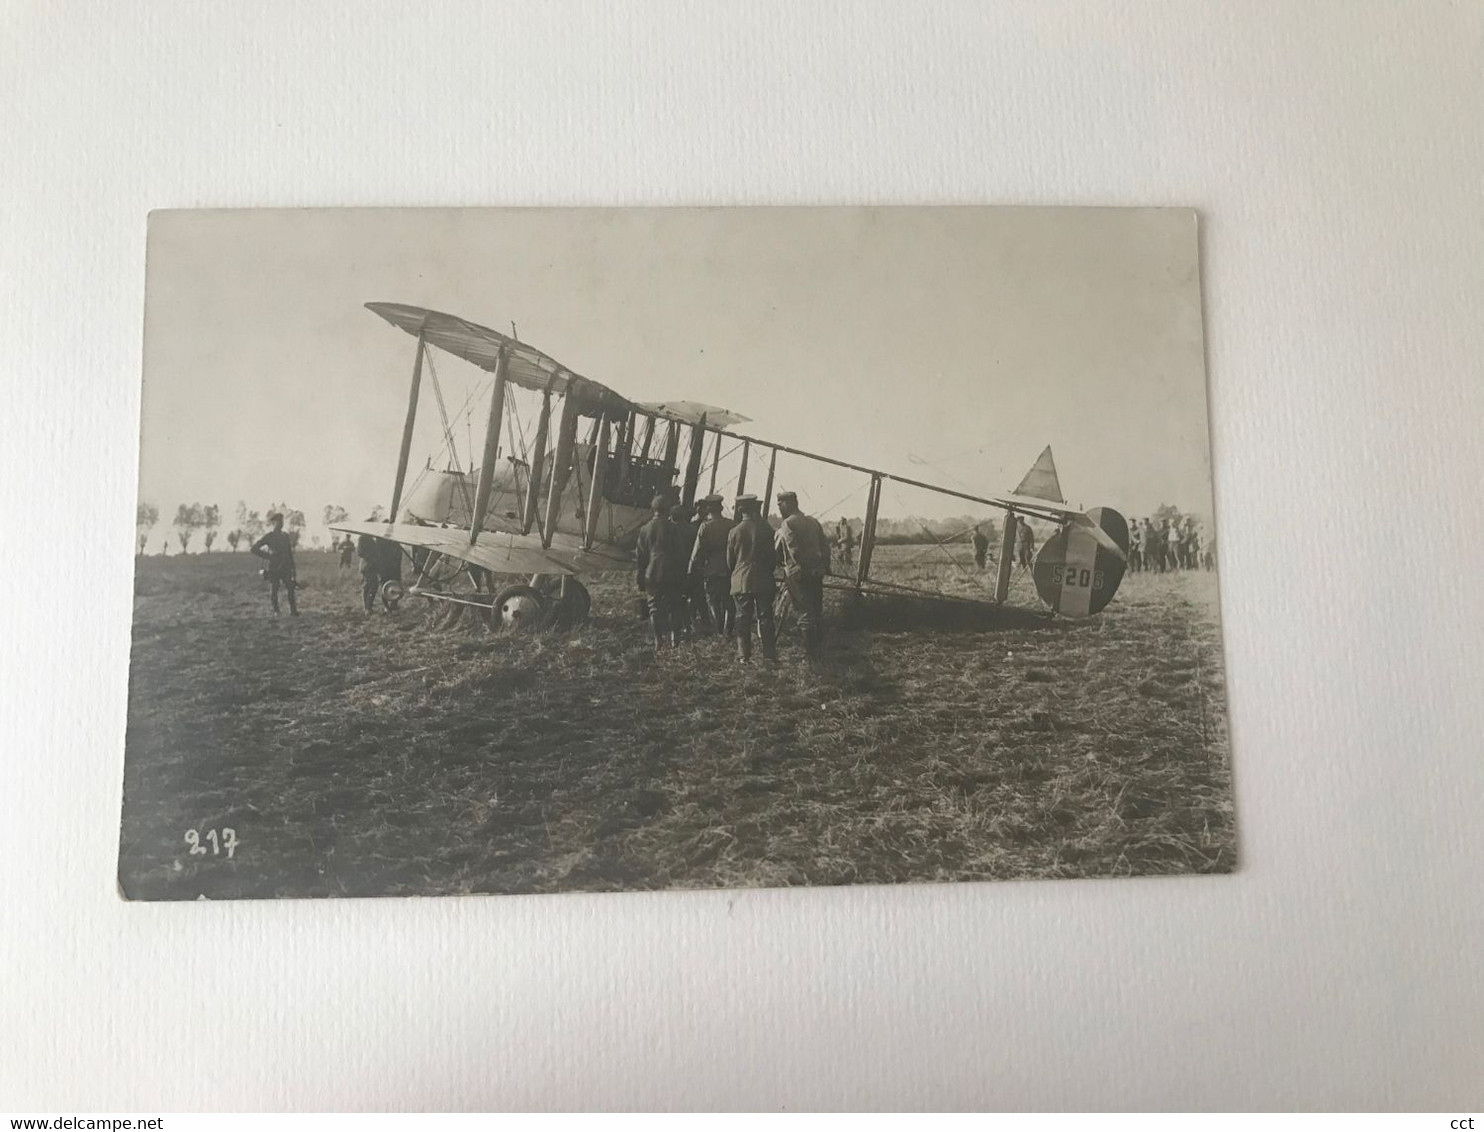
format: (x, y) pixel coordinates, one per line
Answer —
(223, 842)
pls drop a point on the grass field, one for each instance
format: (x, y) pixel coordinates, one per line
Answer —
(374, 756)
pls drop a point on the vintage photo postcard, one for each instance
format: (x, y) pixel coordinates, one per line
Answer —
(528, 550)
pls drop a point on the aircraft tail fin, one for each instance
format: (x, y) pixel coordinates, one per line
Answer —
(1041, 482)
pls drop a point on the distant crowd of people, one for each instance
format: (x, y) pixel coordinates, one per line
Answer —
(1171, 545)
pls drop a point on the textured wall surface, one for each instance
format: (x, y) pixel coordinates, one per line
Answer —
(1334, 151)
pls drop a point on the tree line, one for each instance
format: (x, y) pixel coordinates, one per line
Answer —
(249, 525)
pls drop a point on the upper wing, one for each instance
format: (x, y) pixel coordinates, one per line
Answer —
(691, 412)
(526, 366)
(502, 552)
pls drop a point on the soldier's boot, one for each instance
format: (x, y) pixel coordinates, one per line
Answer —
(769, 635)
(744, 645)
(657, 624)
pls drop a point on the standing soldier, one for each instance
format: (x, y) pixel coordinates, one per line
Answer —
(845, 540)
(347, 550)
(368, 550)
(278, 549)
(1169, 545)
(805, 556)
(751, 560)
(685, 531)
(708, 562)
(1135, 547)
(981, 547)
(1027, 545)
(660, 572)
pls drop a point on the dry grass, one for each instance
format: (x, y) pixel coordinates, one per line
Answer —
(371, 756)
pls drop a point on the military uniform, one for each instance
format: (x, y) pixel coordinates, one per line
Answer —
(708, 562)
(660, 566)
(981, 548)
(751, 561)
(691, 603)
(278, 548)
(1027, 545)
(381, 562)
(805, 555)
(845, 539)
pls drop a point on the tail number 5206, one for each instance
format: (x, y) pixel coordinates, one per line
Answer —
(1076, 577)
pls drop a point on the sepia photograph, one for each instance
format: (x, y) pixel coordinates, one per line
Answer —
(549, 550)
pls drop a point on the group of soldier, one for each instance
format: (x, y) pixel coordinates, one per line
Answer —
(701, 572)
(1025, 546)
(1172, 545)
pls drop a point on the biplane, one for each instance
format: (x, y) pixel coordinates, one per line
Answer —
(512, 534)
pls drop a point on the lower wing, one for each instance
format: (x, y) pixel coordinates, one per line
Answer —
(502, 552)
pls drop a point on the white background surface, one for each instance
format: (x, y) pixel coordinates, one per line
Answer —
(1335, 153)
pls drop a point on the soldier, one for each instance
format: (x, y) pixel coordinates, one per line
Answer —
(347, 550)
(278, 549)
(686, 527)
(708, 562)
(751, 561)
(368, 550)
(805, 555)
(845, 540)
(1027, 545)
(660, 572)
(1135, 547)
(1169, 545)
(981, 547)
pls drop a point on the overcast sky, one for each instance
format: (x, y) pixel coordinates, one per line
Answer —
(946, 344)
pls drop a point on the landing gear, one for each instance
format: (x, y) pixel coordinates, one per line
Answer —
(570, 602)
(521, 609)
(454, 590)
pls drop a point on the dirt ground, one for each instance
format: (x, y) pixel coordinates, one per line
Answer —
(358, 756)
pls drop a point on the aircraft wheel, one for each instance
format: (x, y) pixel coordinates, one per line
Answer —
(467, 587)
(570, 605)
(521, 609)
(392, 592)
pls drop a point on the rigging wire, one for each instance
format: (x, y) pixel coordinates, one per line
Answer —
(453, 454)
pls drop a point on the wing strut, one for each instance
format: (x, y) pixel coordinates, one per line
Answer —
(768, 491)
(715, 462)
(868, 532)
(417, 380)
(693, 461)
(1007, 558)
(561, 466)
(538, 457)
(595, 495)
(491, 447)
(742, 475)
